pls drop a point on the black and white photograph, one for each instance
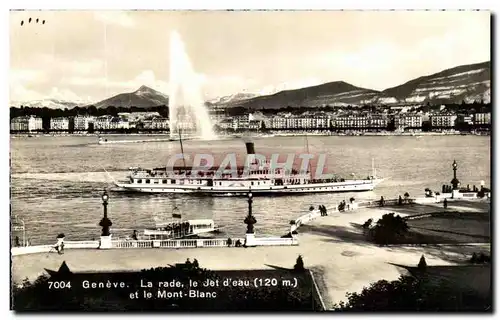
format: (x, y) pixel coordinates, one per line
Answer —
(250, 160)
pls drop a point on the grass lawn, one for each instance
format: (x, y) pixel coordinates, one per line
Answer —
(450, 227)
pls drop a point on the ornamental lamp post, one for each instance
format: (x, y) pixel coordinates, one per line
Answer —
(454, 182)
(250, 219)
(105, 222)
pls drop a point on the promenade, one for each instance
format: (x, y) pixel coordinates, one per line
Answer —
(332, 247)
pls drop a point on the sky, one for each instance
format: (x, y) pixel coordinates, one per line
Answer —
(92, 55)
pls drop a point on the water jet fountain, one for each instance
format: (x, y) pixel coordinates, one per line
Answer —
(187, 110)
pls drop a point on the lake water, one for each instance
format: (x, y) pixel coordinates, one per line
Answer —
(56, 182)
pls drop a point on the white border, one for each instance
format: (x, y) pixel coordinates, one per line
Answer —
(190, 4)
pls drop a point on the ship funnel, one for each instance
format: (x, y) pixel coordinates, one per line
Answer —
(250, 147)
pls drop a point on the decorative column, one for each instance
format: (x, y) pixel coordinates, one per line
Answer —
(105, 223)
(454, 182)
(250, 221)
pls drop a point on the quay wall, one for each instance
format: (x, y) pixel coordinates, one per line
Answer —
(166, 244)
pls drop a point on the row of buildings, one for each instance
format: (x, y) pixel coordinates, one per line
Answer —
(153, 121)
(143, 120)
(400, 122)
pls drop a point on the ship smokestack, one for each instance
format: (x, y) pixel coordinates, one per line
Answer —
(250, 147)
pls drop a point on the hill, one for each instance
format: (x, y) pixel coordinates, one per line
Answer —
(144, 97)
(333, 93)
(468, 82)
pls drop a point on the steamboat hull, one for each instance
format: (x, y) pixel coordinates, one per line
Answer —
(336, 187)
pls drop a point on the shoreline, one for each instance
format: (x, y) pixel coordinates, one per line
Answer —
(270, 135)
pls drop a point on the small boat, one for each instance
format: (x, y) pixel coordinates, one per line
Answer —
(180, 229)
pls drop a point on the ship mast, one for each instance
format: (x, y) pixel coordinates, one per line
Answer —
(374, 171)
(182, 148)
(309, 163)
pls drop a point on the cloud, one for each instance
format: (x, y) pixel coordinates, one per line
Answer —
(119, 18)
(83, 67)
(63, 94)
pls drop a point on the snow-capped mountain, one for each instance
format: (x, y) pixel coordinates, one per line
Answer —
(49, 103)
(232, 98)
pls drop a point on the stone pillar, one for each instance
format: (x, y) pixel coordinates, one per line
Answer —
(105, 242)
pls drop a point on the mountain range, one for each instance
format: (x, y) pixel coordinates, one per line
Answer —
(463, 83)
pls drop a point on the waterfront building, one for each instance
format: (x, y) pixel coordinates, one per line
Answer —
(61, 123)
(217, 115)
(119, 123)
(160, 123)
(138, 116)
(241, 121)
(482, 118)
(103, 122)
(26, 124)
(226, 123)
(351, 122)
(254, 124)
(82, 123)
(446, 120)
(275, 123)
(408, 120)
(465, 119)
(377, 121)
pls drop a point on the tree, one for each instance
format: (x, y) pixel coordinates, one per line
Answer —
(407, 196)
(422, 264)
(389, 229)
(299, 264)
(411, 294)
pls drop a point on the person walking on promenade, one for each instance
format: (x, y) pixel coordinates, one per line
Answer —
(445, 203)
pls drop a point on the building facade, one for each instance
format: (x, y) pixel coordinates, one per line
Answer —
(61, 123)
(482, 118)
(443, 120)
(26, 124)
(403, 121)
(82, 123)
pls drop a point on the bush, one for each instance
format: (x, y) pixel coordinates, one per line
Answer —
(367, 224)
(480, 258)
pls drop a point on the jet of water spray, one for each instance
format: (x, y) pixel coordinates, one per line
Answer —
(187, 110)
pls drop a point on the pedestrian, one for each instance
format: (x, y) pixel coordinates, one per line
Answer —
(445, 203)
(229, 242)
(17, 243)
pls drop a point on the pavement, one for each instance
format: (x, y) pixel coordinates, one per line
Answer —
(333, 247)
